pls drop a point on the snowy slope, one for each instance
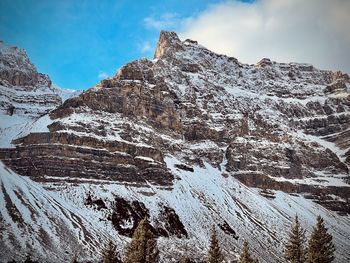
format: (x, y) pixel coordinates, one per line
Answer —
(35, 221)
(32, 109)
(204, 198)
(201, 199)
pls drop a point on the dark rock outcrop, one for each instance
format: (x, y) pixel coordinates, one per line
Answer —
(126, 215)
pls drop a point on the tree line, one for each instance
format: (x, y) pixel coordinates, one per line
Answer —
(319, 248)
(143, 247)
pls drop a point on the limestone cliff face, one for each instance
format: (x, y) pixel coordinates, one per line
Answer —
(59, 155)
(284, 121)
(132, 95)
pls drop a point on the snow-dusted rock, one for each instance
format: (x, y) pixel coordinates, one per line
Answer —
(25, 94)
(200, 133)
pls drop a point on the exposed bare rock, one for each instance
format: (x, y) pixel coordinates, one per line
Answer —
(62, 155)
(131, 99)
(126, 215)
(168, 43)
(17, 70)
(287, 159)
(136, 70)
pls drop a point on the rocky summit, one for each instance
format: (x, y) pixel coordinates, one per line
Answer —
(21, 84)
(191, 139)
(26, 94)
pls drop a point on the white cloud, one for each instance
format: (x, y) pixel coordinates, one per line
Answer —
(102, 75)
(313, 31)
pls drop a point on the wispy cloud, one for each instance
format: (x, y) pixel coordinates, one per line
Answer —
(315, 31)
(145, 47)
(102, 75)
(164, 21)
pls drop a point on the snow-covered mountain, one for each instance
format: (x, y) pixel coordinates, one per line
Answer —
(25, 94)
(192, 139)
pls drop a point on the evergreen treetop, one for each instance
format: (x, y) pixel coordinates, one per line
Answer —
(245, 256)
(321, 247)
(215, 254)
(295, 248)
(143, 246)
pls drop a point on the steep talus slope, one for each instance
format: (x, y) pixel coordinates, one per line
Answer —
(33, 219)
(189, 137)
(181, 217)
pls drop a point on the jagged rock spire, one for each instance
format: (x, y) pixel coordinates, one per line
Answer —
(168, 43)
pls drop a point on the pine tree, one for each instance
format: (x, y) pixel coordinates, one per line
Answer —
(295, 249)
(321, 248)
(143, 246)
(245, 255)
(110, 254)
(215, 254)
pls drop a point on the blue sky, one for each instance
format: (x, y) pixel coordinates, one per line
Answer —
(79, 42)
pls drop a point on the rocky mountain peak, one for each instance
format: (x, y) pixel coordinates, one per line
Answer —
(25, 94)
(17, 70)
(168, 42)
